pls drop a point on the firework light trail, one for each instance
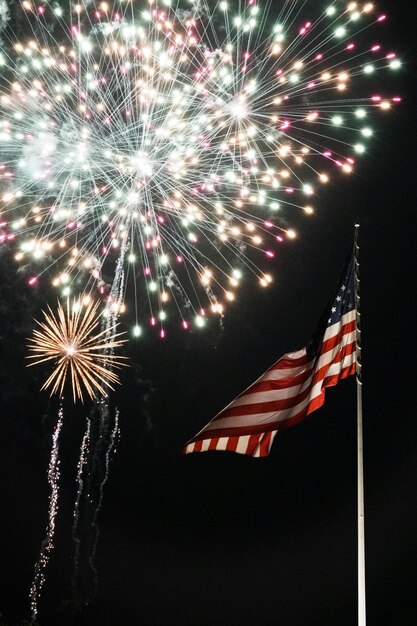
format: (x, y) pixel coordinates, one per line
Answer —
(84, 450)
(184, 136)
(48, 543)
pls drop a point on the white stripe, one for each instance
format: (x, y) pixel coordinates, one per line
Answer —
(294, 356)
(333, 330)
(276, 394)
(274, 375)
(336, 368)
(280, 374)
(222, 443)
(349, 360)
(205, 445)
(242, 444)
(259, 418)
(328, 357)
(273, 433)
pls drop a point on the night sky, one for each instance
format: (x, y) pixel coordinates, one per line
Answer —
(217, 538)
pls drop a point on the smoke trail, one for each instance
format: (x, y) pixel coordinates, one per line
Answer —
(114, 437)
(146, 393)
(47, 543)
(93, 474)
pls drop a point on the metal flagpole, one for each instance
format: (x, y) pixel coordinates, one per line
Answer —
(361, 509)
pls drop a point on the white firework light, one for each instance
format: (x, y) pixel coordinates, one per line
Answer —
(180, 139)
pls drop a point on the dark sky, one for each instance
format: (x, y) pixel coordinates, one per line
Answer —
(217, 539)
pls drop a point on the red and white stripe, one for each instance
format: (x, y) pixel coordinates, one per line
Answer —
(285, 394)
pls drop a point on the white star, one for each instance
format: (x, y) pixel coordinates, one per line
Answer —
(343, 287)
(338, 299)
(334, 309)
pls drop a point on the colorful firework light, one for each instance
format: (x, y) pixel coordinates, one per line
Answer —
(178, 139)
(79, 352)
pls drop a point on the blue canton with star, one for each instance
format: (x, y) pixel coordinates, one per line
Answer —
(345, 296)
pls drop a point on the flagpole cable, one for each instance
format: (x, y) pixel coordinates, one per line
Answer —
(361, 507)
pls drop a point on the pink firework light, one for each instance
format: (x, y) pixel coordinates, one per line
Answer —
(180, 141)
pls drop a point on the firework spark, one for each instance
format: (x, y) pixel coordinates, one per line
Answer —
(80, 355)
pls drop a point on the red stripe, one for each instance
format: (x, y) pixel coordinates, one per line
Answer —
(275, 368)
(343, 352)
(263, 407)
(329, 344)
(265, 443)
(276, 385)
(213, 443)
(232, 444)
(331, 381)
(198, 444)
(286, 363)
(253, 430)
(252, 444)
(258, 429)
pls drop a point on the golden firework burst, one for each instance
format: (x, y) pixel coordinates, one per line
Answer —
(80, 354)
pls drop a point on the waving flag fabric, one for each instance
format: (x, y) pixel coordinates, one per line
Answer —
(292, 388)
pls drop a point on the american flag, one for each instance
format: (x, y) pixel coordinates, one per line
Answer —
(293, 387)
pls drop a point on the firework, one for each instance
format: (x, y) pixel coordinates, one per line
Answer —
(185, 138)
(80, 355)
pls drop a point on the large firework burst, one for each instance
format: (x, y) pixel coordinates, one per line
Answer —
(81, 356)
(184, 137)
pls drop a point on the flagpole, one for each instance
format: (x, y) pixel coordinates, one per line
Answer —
(361, 508)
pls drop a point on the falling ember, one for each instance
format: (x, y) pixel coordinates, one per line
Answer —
(82, 356)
